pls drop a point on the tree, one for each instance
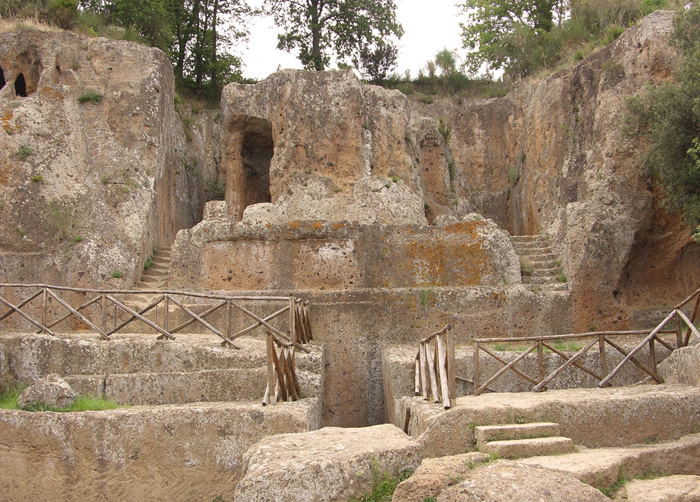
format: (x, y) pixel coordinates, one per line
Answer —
(446, 61)
(668, 117)
(502, 34)
(343, 27)
(202, 29)
(378, 62)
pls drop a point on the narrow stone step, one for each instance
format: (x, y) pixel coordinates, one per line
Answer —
(541, 257)
(541, 280)
(539, 264)
(543, 272)
(485, 433)
(521, 448)
(528, 238)
(527, 246)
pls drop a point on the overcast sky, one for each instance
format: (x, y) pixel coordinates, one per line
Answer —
(429, 26)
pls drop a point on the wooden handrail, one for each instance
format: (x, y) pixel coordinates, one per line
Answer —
(284, 341)
(435, 368)
(602, 338)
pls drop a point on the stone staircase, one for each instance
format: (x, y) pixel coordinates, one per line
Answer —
(156, 276)
(522, 440)
(540, 266)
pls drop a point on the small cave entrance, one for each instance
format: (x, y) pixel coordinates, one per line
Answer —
(2, 78)
(20, 86)
(256, 155)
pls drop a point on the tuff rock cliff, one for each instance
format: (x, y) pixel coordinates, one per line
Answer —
(329, 165)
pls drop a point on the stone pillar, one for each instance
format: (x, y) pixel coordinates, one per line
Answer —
(233, 161)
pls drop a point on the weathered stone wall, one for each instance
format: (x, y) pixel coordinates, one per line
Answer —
(186, 452)
(550, 157)
(323, 146)
(88, 188)
(220, 255)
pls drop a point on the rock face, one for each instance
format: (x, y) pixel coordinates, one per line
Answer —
(176, 452)
(682, 366)
(220, 255)
(322, 146)
(436, 474)
(664, 489)
(92, 159)
(550, 157)
(505, 481)
(52, 391)
(330, 464)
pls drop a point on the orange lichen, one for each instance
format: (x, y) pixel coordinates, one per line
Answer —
(317, 225)
(294, 224)
(338, 226)
(51, 93)
(467, 227)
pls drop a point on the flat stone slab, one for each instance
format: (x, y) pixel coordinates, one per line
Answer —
(328, 465)
(602, 467)
(507, 481)
(521, 448)
(185, 452)
(435, 474)
(595, 418)
(484, 433)
(664, 489)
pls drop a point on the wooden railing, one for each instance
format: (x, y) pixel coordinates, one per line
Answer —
(435, 367)
(107, 312)
(602, 339)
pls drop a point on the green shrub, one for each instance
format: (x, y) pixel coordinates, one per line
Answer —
(668, 118)
(24, 151)
(90, 95)
(383, 485)
(444, 129)
(117, 274)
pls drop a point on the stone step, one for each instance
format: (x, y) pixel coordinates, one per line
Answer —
(540, 257)
(543, 264)
(539, 272)
(542, 280)
(153, 389)
(529, 246)
(521, 448)
(602, 467)
(528, 238)
(485, 433)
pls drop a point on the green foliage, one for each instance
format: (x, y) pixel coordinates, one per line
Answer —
(38, 178)
(668, 118)
(521, 37)
(526, 267)
(24, 151)
(383, 485)
(319, 28)
(10, 393)
(444, 129)
(377, 62)
(62, 219)
(91, 95)
(117, 274)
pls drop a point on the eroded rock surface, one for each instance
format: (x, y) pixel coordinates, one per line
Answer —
(664, 489)
(52, 391)
(93, 160)
(331, 464)
(505, 481)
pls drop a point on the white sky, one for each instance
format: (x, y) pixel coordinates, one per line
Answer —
(429, 26)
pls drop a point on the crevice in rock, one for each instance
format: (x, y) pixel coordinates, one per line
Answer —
(2, 78)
